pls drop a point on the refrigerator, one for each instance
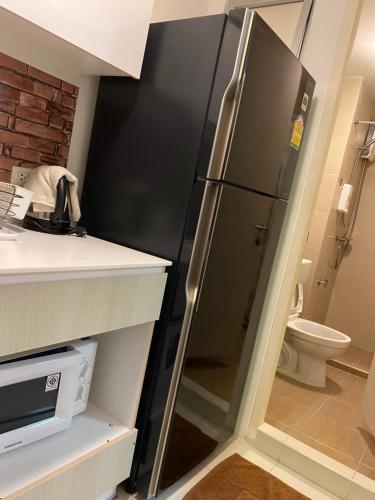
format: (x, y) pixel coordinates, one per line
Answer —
(195, 163)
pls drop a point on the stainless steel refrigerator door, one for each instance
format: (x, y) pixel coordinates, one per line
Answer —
(229, 296)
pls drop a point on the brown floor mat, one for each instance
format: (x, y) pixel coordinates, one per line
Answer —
(237, 479)
(189, 446)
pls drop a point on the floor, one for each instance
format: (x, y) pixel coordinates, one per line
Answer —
(179, 490)
(357, 358)
(294, 480)
(326, 419)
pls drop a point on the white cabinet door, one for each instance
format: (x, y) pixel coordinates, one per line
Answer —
(113, 31)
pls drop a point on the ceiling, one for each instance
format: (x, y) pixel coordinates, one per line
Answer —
(362, 62)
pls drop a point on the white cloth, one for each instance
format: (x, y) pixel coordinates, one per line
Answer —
(43, 181)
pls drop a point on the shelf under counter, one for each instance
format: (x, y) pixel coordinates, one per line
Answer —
(28, 472)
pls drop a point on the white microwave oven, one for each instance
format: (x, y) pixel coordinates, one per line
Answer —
(41, 391)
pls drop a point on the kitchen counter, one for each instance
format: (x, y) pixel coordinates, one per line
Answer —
(44, 257)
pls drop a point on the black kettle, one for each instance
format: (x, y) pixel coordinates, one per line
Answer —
(59, 221)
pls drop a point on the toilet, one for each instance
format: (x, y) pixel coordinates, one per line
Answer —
(308, 345)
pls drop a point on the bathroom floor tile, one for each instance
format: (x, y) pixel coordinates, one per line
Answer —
(281, 426)
(329, 419)
(310, 397)
(288, 412)
(330, 432)
(368, 457)
(351, 389)
(346, 414)
(330, 452)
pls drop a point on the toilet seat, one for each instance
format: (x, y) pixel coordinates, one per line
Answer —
(316, 333)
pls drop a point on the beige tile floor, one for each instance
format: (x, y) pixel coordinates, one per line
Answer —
(357, 358)
(326, 419)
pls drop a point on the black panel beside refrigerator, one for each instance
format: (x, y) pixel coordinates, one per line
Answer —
(194, 163)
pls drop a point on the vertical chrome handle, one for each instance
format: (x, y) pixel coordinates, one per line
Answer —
(228, 104)
(197, 262)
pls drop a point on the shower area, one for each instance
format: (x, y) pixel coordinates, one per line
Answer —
(341, 239)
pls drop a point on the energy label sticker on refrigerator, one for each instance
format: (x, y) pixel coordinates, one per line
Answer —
(297, 133)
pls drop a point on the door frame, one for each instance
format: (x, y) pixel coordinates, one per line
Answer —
(325, 52)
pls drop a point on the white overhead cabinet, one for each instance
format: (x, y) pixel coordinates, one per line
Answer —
(89, 36)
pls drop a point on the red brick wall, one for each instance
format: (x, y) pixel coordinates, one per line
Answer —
(36, 116)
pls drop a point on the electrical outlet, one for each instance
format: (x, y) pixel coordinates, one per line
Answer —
(19, 175)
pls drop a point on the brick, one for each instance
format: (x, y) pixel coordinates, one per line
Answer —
(4, 177)
(7, 106)
(33, 101)
(55, 135)
(56, 121)
(9, 93)
(29, 164)
(62, 151)
(67, 87)
(41, 145)
(57, 97)
(31, 114)
(9, 62)
(43, 90)
(29, 128)
(68, 126)
(7, 163)
(76, 91)
(25, 154)
(11, 122)
(44, 77)
(52, 160)
(1, 149)
(56, 109)
(69, 101)
(16, 80)
(4, 120)
(8, 137)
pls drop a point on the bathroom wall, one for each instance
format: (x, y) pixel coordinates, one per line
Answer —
(321, 245)
(351, 307)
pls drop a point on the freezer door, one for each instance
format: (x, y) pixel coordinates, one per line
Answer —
(238, 262)
(262, 120)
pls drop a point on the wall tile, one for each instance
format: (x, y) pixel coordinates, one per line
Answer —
(326, 192)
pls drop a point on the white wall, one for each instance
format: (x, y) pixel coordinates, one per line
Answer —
(168, 10)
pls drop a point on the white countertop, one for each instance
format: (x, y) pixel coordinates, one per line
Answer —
(44, 257)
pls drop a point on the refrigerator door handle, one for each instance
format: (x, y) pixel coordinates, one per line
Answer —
(229, 103)
(261, 227)
(196, 268)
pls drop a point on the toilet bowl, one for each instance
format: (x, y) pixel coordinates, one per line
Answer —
(308, 345)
